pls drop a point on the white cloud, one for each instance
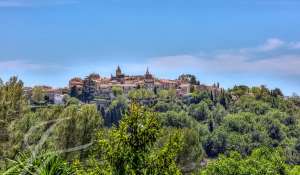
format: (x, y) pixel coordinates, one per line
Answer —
(269, 45)
(19, 65)
(272, 44)
(16, 64)
(295, 45)
(252, 60)
(230, 63)
(246, 60)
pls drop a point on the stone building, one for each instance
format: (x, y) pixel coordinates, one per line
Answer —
(119, 77)
(76, 87)
(100, 88)
(149, 80)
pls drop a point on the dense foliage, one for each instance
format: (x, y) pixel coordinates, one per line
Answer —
(243, 130)
(261, 161)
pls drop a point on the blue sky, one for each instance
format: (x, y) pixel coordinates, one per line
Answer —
(248, 42)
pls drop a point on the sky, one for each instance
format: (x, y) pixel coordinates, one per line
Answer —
(233, 42)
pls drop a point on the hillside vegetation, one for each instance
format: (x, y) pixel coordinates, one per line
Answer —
(242, 130)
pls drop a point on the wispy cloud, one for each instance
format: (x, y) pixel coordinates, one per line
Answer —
(19, 65)
(274, 57)
(230, 63)
(278, 60)
(295, 45)
(244, 60)
(270, 45)
(32, 3)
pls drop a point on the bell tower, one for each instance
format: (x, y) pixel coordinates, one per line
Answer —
(148, 75)
(119, 72)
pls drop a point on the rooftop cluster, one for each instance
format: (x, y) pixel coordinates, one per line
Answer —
(96, 86)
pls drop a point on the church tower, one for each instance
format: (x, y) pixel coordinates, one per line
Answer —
(119, 72)
(148, 75)
(149, 80)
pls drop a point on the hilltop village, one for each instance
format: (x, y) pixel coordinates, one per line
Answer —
(100, 90)
(192, 122)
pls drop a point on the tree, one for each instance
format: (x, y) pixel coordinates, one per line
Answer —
(295, 170)
(167, 95)
(141, 94)
(131, 148)
(250, 104)
(242, 132)
(116, 110)
(216, 143)
(200, 111)
(72, 101)
(77, 127)
(44, 164)
(75, 92)
(177, 119)
(260, 92)
(196, 97)
(192, 151)
(224, 99)
(66, 134)
(155, 90)
(218, 114)
(89, 88)
(162, 106)
(239, 90)
(117, 90)
(169, 136)
(277, 92)
(38, 95)
(262, 161)
(88, 122)
(189, 79)
(13, 105)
